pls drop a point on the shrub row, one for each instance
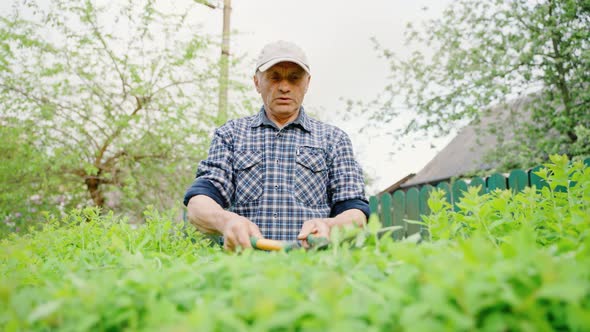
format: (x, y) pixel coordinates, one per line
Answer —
(505, 261)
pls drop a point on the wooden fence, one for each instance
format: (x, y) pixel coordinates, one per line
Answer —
(411, 203)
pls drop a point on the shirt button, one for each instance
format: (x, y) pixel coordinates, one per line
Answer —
(276, 161)
(276, 186)
(275, 215)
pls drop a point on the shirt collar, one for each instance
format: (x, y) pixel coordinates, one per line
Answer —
(301, 120)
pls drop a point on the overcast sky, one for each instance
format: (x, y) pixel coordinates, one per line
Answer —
(336, 35)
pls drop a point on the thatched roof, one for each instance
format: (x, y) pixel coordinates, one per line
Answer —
(398, 184)
(465, 153)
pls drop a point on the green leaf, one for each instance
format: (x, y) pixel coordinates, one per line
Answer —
(374, 225)
(44, 310)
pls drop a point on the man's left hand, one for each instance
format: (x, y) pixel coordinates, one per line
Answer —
(318, 227)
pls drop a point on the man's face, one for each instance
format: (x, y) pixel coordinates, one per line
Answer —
(282, 88)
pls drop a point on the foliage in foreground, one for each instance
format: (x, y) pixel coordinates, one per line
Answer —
(504, 262)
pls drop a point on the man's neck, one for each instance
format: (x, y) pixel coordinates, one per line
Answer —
(281, 122)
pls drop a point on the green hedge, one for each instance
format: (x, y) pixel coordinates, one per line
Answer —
(503, 262)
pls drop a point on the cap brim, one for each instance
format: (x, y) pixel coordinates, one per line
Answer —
(273, 62)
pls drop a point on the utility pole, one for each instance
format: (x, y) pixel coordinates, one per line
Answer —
(224, 65)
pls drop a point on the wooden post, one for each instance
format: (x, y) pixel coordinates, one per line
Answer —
(386, 219)
(224, 65)
(518, 180)
(536, 180)
(424, 208)
(374, 204)
(459, 189)
(478, 181)
(423, 203)
(412, 206)
(399, 213)
(445, 186)
(496, 181)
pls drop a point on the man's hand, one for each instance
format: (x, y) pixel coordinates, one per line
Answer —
(210, 218)
(317, 227)
(237, 232)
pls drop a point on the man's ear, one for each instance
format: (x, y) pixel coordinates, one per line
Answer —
(307, 84)
(256, 82)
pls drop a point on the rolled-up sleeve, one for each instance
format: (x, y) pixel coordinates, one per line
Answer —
(214, 174)
(346, 183)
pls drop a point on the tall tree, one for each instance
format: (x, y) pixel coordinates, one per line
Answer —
(121, 96)
(482, 53)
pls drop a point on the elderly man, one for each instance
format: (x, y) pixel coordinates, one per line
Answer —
(278, 174)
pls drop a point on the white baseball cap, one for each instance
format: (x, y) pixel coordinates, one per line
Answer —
(281, 51)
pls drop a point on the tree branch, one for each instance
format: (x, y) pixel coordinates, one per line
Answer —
(171, 85)
(206, 3)
(111, 56)
(140, 102)
(40, 101)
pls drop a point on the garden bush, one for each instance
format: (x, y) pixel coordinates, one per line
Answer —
(504, 262)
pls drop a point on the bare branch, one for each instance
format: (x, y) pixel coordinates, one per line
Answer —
(206, 3)
(111, 55)
(40, 101)
(171, 85)
(140, 102)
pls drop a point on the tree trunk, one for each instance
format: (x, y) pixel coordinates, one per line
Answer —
(93, 185)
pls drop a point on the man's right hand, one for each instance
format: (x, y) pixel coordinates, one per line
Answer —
(209, 217)
(237, 232)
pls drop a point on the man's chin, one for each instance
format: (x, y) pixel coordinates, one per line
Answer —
(284, 109)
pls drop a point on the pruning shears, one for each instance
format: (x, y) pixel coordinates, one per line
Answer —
(275, 245)
(315, 242)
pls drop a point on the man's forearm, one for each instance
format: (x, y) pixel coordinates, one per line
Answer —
(209, 217)
(348, 217)
(206, 215)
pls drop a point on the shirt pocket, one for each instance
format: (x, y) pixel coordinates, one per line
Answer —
(311, 176)
(248, 176)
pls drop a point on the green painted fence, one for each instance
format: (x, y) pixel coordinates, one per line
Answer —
(406, 206)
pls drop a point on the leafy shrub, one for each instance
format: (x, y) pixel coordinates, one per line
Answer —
(505, 262)
(554, 215)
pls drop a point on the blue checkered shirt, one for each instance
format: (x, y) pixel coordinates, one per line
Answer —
(279, 178)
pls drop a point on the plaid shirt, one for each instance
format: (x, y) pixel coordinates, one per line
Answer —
(279, 178)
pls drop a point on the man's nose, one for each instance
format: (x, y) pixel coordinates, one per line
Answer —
(284, 86)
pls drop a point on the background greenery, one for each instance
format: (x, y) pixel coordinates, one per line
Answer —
(525, 62)
(95, 110)
(103, 105)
